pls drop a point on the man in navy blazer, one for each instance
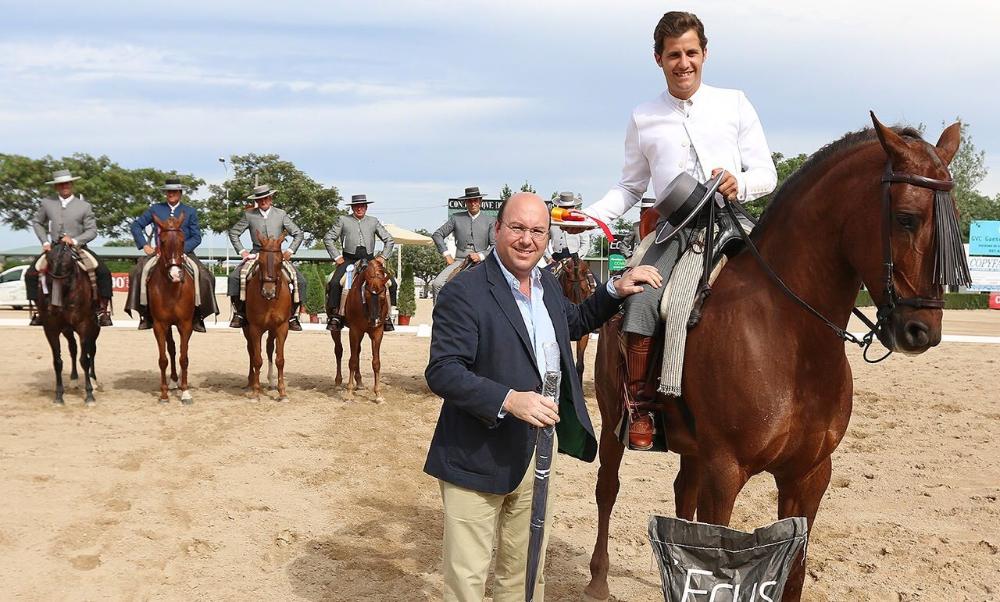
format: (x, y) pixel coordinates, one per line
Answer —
(172, 207)
(486, 362)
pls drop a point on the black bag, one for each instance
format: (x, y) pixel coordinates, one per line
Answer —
(699, 561)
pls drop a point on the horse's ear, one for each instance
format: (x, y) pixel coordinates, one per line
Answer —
(159, 224)
(948, 143)
(182, 217)
(892, 143)
(283, 235)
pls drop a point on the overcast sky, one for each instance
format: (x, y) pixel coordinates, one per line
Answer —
(411, 101)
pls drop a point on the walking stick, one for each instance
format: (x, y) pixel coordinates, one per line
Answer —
(543, 464)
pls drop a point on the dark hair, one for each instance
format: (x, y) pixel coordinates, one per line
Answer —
(675, 24)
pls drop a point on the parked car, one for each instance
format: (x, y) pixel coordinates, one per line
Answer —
(12, 290)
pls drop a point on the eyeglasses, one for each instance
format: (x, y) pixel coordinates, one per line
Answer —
(519, 231)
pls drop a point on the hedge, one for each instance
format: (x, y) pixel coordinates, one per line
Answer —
(951, 300)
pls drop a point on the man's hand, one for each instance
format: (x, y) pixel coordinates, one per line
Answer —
(475, 257)
(66, 240)
(532, 408)
(339, 260)
(244, 254)
(449, 259)
(148, 250)
(729, 187)
(47, 247)
(287, 254)
(380, 259)
(631, 281)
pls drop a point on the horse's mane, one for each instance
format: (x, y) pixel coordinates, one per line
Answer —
(847, 142)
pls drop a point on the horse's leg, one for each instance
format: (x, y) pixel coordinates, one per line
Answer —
(801, 497)
(581, 354)
(280, 361)
(172, 351)
(74, 376)
(88, 345)
(376, 338)
(608, 484)
(720, 482)
(52, 335)
(686, 488)
(338, 352)
(185, 329)
(272, 378)
(162, 331)
(256, 361)
(354, 361)
(246, 335)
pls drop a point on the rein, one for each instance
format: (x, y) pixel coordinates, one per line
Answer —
(950, 267)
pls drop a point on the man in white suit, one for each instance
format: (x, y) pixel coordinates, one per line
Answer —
(690, 127)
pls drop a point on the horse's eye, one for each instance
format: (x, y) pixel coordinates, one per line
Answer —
(907, 220)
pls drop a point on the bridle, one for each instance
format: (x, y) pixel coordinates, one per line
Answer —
(950, 266)
(371, 273)
(57, 259)
(173, 260)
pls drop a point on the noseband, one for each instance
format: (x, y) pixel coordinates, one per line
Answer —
(63, 248)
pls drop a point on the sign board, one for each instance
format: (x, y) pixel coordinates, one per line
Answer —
(119, 282)
(984, 238)
(985, 273)
(994, 300)
(488, 206)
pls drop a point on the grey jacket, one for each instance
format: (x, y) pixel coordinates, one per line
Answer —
(77, 220)
(631, 240)
(349, 233)
(471, 235)
(271, 227)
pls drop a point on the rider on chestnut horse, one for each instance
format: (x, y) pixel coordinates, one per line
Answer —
(69, 219)
(265, 221)
(351, 239)
(172, 207)
(563, 245)
(474, 237)
(689, 128)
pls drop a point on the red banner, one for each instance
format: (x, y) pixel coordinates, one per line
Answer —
(119, 282)
(995, 300)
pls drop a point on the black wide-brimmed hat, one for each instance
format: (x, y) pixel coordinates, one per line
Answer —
(472, 192)
(260, 192)
(359, 199)
(681, 202)
(172, 184)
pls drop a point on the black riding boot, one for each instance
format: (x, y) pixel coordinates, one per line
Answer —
(198, 324)
(145, 322)
(104, 315)
(293, 321)
(334, 322)
(238, 313)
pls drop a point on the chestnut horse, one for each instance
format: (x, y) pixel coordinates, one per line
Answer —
(577, 283)
(170, 291)
(766, 383)
(365, 312)
(268, 304)
(69, 310)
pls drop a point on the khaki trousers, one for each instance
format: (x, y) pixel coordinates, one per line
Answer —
(475, 523)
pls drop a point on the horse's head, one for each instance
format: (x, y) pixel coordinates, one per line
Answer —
(375, 277)
(171, 246)
(914, 249)
(61, 260)
(269, 258)
(576, 279)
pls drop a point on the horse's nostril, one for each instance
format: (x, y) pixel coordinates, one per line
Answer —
(917, 334)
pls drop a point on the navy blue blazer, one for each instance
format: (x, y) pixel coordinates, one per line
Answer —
(480, 349)
(191, 229)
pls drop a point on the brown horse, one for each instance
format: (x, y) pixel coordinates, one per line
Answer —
(269, 302)
(365, 312)
(577, 283)
(69, 311)
(766, 384)
(170, 291)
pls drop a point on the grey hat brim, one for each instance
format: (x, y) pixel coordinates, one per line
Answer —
(352, 203)
(666, 230)
(170, 187)
(480, 196)
(263, 195)
(73, 179)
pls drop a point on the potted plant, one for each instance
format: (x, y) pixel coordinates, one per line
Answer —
(316, 295)
(407, 297)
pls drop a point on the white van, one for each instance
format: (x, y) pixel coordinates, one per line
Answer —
(12, 290)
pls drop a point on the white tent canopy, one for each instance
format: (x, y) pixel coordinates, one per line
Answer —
(402, 236)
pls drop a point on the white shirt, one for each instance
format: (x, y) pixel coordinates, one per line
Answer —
(67, 200)
(264, 213)
(715, 128)
(173, 208)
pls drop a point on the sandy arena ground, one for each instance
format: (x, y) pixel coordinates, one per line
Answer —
(323, 498)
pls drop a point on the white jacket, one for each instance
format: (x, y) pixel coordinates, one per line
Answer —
(722, 127)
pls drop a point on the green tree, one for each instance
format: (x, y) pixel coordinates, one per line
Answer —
(407, 296)
(311, 206)
(118, 195)
(425, 261)
(316, 294)
(785, 167)
(528, 188)
(506, 193)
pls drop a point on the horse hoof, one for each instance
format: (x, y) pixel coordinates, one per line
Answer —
(589, 598)
(90, 403)
(173, 386)
(187, 401)
(97, 386)
(186, 397)
(380, 399)
(58, 402)
(164, 401)
(283, 399)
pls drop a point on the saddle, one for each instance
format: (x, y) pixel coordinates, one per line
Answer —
(250, 267)
(84, 259)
